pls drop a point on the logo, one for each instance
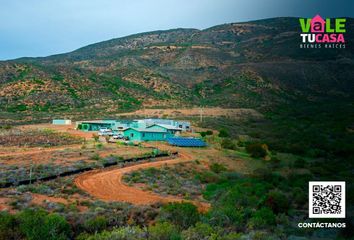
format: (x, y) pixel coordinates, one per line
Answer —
(326, 199)
(318, 33)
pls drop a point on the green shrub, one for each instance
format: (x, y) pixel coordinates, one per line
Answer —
(9, 228)
(299, 180)
(17, 108)
(207, 177)
(226, 215)
(217, 168)
(257, 150)
(95, 157)
(134, 177)
(163, 231)
(232, 236)
(223, 133)
(268, 176)
(300, 163)
(58, 77)
(200, 231)
(227, 143)
(96, 224)
(274, 162)
(299, 196)
(282, 219)
(183, 214)
(277, 201)
(38, 225)
(241, 143)
(231, 175)
(262, 218)
(209, 132)
(202, 134)
(56, 227)
(122, 233)
(234, 201)
(151, 171)
(43, 189)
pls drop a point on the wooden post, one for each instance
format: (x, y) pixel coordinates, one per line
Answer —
(201, 114)
(31, 166)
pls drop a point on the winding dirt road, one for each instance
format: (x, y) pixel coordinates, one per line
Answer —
(109, 186)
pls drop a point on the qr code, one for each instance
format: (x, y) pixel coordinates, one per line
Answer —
(327, 199)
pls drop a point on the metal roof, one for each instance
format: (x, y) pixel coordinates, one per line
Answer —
(169, 127)
(145, 130)
(93, 121)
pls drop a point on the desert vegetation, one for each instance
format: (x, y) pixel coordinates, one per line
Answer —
(250, 175)
(243, 204)
(180, 180)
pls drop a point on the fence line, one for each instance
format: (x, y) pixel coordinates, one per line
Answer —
(81, 170)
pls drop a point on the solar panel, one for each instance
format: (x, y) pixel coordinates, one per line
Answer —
(186, 142)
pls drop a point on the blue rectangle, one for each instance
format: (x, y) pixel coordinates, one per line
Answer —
(186, 142)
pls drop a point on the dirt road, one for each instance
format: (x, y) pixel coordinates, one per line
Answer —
(108, 185)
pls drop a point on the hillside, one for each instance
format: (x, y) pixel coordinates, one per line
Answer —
(255, 64)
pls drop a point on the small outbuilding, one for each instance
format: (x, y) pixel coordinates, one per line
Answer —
(61, 122)
(93, 125)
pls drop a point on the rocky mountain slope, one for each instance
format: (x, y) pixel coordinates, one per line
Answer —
(255, 64)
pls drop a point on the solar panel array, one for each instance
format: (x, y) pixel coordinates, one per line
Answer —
(186, 142)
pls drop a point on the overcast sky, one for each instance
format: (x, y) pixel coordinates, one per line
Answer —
(45, 27)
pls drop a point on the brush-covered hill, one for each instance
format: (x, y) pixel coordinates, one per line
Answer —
(255, 64)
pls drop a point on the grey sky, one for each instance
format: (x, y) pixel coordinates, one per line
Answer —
(45, 27)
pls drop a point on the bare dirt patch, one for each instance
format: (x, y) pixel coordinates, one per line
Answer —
(16, 151)
(59, 128)
(36, 137)
(42, 200)
(38, 199)
(67, 155)
(4, 204)
(190, 112)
